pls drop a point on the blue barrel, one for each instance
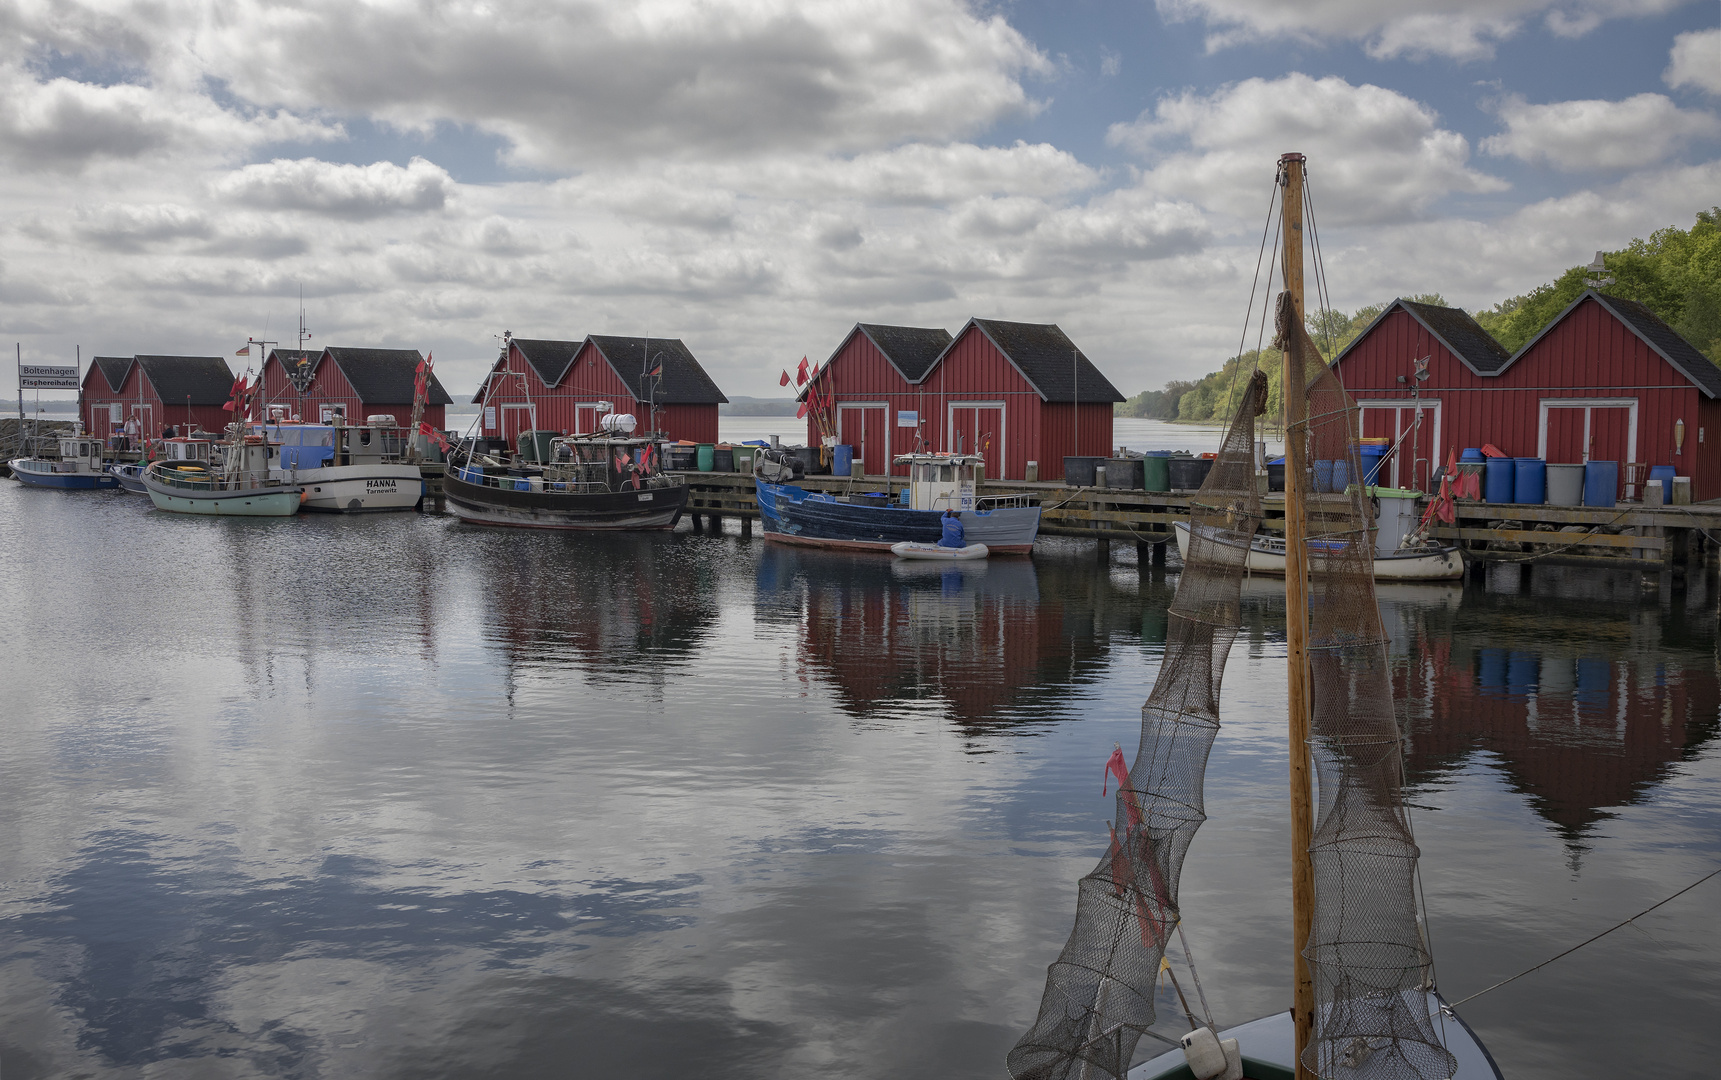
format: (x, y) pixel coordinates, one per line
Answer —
(1530, 481)
(1664, 473)
(1323, 476)
(1498, 479)
(1601, 483)
(843, 456)
(1471, 454)
(1372, 458)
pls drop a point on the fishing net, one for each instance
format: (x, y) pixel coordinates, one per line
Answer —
(1099, 993)
(1365, 951)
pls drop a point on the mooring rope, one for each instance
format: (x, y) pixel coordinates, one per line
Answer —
(1587, 941)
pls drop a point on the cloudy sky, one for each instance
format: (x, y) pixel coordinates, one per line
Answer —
(755, 176)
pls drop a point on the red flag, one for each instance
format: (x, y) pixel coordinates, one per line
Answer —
(1115, 767)
(801, 413)
(801, 373)
(433, 435)
(784, 381)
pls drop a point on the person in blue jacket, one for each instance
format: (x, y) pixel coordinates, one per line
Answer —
(953, 533)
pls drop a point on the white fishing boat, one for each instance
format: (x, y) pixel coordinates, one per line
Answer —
(1266, 555)
(77, 468)
(910, 549)
(194, 478)
(346, 468)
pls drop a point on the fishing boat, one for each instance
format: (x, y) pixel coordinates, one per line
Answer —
(609, 480)
(239, 484)
(78, 468)
(1364, 1002)
(130, 476)
(1266, 555)
(876, 521)
(346, 468)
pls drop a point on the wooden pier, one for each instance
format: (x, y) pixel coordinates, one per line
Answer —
(1627, 536)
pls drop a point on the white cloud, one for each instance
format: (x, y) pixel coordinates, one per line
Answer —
(1462, 30)
(1573, 135)
(1695, 61)
(1375, 154)
(575, 82)
(346, 191)
(61, 125)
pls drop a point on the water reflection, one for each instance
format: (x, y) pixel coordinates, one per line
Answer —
(990, 643)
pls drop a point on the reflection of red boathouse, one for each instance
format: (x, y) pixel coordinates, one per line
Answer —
(1575, 732)
(1001, 638)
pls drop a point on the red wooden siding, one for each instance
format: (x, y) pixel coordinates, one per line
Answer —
(974, 393)
(329, 386)
(1589, 355)
(138, 397)
(568, 407)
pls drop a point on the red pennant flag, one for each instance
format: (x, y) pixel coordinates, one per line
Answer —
(1115, 767)
(784, 381)
(801, 373)
(801, 413)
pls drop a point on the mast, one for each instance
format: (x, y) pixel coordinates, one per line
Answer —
(1297, 610)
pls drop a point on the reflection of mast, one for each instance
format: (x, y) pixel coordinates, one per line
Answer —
(1297, 612)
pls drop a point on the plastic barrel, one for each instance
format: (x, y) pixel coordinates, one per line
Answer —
(1276, 474)
(744, 458)
(1156, 472)
(707, 456)
(1323, 476)
(1471, 454)
(1124, 473)
(1565, 484)
(1529, 481)
(1079, 471)
(1665, 474)
(843, 457)
(1601, 483)
(1187, 474)
(1373, 456)
(1498, 478)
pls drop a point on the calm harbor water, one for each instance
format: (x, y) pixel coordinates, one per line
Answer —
(398, 797)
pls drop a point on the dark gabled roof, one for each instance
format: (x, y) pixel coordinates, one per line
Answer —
(203, 380)
(1683, 355)
(115, 369)
(1048, 359)
(1661, 338)
(302, 362)
(385, 376)
(684, 381)
(550, 359)
(911, 350)
(1463, 336)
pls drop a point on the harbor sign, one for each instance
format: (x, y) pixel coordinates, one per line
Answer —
(45, 377)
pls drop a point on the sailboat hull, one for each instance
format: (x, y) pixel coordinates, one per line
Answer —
(1268, 1054)
(1267, 556)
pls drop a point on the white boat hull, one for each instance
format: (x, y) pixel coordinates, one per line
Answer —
(1267, 556)
(357, 489)
(908, 549)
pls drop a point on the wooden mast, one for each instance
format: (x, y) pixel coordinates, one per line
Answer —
(1297, 610)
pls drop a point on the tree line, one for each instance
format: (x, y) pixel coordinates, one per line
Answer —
(1676, 273)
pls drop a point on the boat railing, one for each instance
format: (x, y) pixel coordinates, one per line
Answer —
(1003, 502)
(510, 482)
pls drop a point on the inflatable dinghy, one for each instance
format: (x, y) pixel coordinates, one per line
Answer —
(910, 549)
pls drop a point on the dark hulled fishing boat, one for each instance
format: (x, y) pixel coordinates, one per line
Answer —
(607, 481)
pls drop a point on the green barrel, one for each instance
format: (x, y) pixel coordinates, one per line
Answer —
(707, 456)
(1156, 473)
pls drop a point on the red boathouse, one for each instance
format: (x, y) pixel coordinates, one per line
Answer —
(157, 391)
(1607, 380)
(543, 385)
(1012, 392)
(359, 382)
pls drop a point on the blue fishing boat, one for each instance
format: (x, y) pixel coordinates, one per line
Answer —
(878, 521)
(78, 468)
